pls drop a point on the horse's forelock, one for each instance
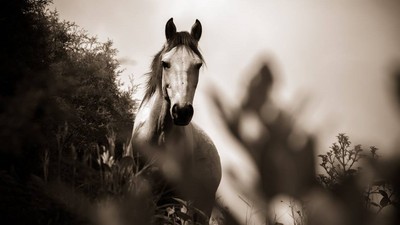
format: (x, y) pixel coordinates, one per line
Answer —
(183, 39)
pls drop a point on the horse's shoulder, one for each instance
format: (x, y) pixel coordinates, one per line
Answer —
(201, 138)
(206, 154)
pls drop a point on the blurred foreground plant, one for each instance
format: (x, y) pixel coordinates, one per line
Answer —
(284, 158)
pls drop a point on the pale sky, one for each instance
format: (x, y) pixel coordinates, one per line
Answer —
(335, 57)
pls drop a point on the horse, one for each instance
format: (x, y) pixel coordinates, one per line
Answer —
(163, 127)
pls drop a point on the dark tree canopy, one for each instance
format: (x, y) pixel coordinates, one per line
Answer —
(58, 87)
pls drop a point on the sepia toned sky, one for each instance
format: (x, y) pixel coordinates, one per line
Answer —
(332, 60)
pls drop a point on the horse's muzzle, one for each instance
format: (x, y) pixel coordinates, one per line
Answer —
(182, 115)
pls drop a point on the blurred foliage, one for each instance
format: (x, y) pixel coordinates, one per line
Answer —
(283, 155)
(354, 188)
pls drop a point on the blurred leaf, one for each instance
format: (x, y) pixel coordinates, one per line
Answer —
(375, 204)
(352, 171)
(384, 201)
(379, 183)
(165, 219)
(200, 213)
(184, 203)
(183, 216)
(106, 168)
(127, 164)
(170, 210)
(384, 194)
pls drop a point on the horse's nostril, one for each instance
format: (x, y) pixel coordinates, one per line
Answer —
(175, 111)
(185, 111)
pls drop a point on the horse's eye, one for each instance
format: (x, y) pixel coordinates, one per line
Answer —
(166, 65)
(198, 65)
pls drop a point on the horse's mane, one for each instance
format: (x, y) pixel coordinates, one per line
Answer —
(178, 39)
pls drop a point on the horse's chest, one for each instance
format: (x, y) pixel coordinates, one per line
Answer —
(180, 145)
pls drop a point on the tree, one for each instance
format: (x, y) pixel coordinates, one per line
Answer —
(55, 76)
(25, 83)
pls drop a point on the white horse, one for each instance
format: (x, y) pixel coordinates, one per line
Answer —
(163, 127)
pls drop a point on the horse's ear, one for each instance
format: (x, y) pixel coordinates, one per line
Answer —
(170, 29)
(196, 30)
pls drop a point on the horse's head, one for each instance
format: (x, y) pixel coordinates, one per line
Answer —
(181, 61)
